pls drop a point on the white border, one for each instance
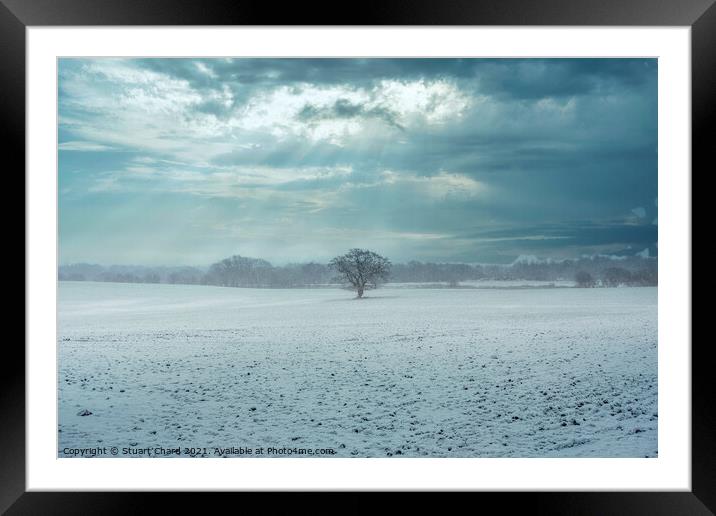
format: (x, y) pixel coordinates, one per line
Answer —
(670, 471)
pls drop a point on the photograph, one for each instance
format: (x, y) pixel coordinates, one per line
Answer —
(357, 257)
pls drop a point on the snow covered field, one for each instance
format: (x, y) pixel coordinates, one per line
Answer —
(403, 372)
(486, 283)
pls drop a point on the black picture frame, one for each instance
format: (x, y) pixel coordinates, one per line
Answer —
(16, 15)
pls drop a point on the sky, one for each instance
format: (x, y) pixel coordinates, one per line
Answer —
(187, 161)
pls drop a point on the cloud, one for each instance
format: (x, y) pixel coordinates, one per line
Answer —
(442, 185)
(80, 146)
(337, 113)
(344, 109)
(104, 184)
(144, 174)
(640, 212)
(499, 157)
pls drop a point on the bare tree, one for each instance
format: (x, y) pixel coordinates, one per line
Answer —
(616, 276)
(584, 279)
(362, 269)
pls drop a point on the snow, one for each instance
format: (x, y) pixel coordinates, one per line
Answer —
(403, 372)
(482, 283)
(488, 283)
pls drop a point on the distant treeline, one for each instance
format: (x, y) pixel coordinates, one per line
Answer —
(239, 271)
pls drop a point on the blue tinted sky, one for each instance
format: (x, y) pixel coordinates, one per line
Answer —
(187, 161)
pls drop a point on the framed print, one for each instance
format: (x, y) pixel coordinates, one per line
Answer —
(436, 248)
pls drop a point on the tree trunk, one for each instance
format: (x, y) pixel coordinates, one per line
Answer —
(360, 292)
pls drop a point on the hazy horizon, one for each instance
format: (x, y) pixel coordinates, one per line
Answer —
(520, 259)
(184, 162)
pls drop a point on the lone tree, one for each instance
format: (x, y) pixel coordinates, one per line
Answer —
(361, 268)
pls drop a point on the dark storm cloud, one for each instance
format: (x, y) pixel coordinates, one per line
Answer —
(344, 109)
(534, 79)
(522, 78)
(517, 79)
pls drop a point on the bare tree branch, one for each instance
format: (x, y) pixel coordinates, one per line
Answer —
(361, 268)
